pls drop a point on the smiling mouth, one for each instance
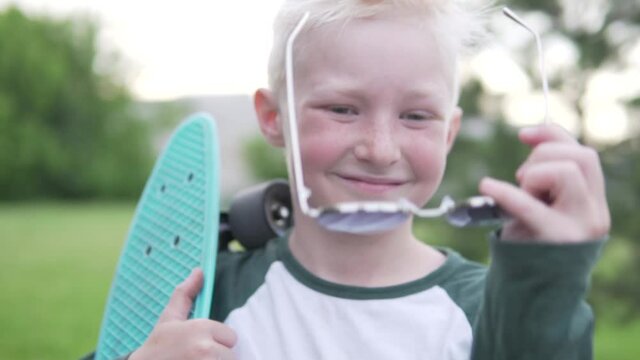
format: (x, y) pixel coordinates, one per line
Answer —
(371, 185)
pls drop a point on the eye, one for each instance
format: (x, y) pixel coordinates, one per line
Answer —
(342, 110)
(418, 116)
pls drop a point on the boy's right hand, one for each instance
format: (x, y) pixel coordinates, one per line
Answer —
(175, 336)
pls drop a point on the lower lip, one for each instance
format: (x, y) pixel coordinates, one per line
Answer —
(370, 187)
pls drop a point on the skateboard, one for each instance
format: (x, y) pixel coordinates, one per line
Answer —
(177, 226)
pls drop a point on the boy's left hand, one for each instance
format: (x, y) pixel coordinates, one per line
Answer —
(561, 195)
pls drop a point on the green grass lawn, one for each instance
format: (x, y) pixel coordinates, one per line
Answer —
(615, 341)
(58, 261)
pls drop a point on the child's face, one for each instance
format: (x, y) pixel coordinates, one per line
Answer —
(375, 111)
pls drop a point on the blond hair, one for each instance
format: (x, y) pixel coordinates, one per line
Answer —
(458, 25)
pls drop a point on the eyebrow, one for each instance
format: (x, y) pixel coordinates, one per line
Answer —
(325, 86)
(426, 92)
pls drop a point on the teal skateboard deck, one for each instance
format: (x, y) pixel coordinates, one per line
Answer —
(175, 229)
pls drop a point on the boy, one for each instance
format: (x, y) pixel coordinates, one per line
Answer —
(376, 94)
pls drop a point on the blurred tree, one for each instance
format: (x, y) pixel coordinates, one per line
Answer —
(265, 161)
(617, 280)
(65, 130)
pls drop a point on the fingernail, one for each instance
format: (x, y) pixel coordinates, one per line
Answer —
(487, 181)
(529, 131)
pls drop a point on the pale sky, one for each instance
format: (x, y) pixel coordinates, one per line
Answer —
(180, 48)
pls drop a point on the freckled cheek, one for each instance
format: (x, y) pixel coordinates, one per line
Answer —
(318, 155)
(321, 146)
(427, 160)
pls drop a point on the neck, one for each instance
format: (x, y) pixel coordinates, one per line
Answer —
(373, 260)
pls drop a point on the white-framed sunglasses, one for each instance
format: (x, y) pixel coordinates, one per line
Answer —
(364, 217)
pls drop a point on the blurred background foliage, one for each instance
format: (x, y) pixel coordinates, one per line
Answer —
(70, 130)
(66, 131)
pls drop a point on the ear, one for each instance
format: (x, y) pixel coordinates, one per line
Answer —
(454, 127)
(268, 113)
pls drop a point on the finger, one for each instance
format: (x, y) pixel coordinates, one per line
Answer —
(569, 196)
(535, 135)
(569, 190)
(202, 349)
(519, 204)
(558, 183)
(224, 335)
(181, 301)
(586, 158)
(224, 353)
(221, 333)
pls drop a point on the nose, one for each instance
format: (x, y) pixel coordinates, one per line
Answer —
(378, 144)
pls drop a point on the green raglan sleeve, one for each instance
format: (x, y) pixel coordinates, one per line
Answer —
(534, 302)
(238, 276)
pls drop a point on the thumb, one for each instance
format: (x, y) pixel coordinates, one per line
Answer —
(519, 204)
(181, 301)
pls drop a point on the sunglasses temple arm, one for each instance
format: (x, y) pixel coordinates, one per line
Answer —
(543, 74)
(291, 130)
(446, 204)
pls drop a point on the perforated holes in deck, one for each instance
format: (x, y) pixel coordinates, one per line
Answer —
(148, 250)
(190, 177)
(176, 241)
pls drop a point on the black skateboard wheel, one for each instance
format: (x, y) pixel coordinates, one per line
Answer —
(261, 213)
